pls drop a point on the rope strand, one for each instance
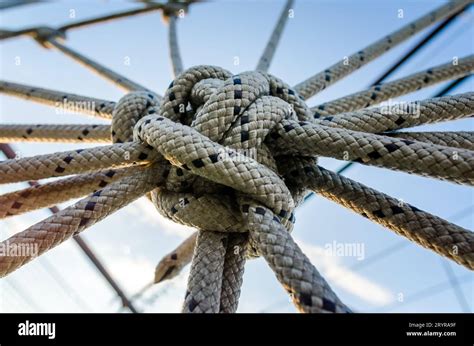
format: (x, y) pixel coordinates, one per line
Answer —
(175, 55)
(343, 68)
(431, 232)
(63, 101)
(74, 161)
(45, 195)
(399, 87)
(70, 133)
(269, 51)
(74, 219)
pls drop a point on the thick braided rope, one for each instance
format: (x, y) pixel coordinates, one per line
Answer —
(74, 219)
(402, 86)
(373, 120)
(232, 113)
(233, 273)
(64, 102)
(209, 251)
(454, 139)
(403, 115)
(196, 153)
(458, 139)
(205, 279)
(421, 227)
(308, 289)
(208, 124)
(59, 191)
(304, 138)
(167, 137)
(269, 51)
(74, 161)
(343, 68)
(175, 56)
(119, 80)
(70, 133)
(171, 264)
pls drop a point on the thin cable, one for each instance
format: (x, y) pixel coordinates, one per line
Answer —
(23, 295)
(425, 293)
(71, 292)
(455, 284)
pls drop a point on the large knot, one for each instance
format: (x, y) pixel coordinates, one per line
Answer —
(214, 129)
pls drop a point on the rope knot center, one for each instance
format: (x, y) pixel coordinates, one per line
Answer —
(213, 129)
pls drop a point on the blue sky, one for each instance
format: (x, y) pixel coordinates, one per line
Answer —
(133, 240)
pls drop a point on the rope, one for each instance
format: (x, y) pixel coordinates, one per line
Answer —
(59, 191)
(404, 115)
(419, 226)
(55, 133)
(343, 68)
(399, 87)
(233, 156)
(73, 162)
(175, 55)
(458, 139)
(103, 19)
(205, 279)
(171, 264)
(4, 34)
(270, 48)
(452, 164)
(61, 100)
(102, 71)
(74, 219)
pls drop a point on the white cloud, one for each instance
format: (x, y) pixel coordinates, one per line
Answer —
(144, 209)
(338, 275)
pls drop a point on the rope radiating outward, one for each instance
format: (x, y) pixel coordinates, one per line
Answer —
(73, 162)
(62, 101)
(417, 225)
(74, 219)
(5, 34)
(234, 155)
(49, 194)
(322, 80)
(175, 55)
(270, 48)
(404, 115)
(386, 91)
(458, 139)
(55, 133)
(103, 71)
